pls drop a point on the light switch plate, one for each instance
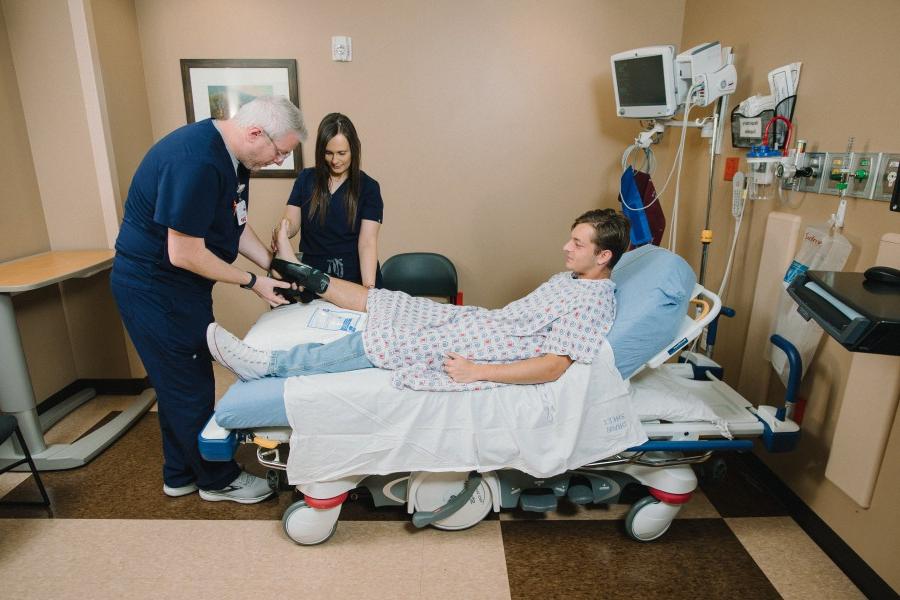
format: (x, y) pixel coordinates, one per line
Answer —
(341, 48)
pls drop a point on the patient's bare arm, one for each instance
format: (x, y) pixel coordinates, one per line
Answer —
(342, 293)
(540, 369)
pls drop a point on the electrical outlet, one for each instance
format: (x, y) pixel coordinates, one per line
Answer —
(835, 163)
(886, 177)
(862, 174)
(813, 183)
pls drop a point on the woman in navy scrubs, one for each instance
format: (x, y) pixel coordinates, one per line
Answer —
(185, 223)
(336, 208)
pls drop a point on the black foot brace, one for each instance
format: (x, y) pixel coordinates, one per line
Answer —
(305, 276)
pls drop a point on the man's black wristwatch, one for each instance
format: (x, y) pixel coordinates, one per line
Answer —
(251, 283)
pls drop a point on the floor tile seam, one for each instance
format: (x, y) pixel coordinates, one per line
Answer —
(505, 563)
(749, 552)
(779, 586)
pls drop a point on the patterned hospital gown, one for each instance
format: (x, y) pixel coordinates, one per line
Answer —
(412, 336)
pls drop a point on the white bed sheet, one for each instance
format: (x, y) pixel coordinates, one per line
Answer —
(356, 423)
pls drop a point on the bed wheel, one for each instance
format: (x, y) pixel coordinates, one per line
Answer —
(309, 526)
(435, 490)
(649, 518)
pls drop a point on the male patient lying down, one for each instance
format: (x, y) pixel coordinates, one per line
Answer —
(441, 347)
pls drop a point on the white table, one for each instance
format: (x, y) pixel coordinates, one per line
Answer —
(16, 394)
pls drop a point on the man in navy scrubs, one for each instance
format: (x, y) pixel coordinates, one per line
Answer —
(185, 223)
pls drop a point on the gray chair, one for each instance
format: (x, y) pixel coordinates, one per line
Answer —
(422, 274)
(8, 427)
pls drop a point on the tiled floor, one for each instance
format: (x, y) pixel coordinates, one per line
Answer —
(114, 535)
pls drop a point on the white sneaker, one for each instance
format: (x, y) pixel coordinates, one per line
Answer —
(245, 361)
(246, 489)
(184, 490)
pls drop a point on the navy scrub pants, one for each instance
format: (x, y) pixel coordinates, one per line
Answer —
(168, 328)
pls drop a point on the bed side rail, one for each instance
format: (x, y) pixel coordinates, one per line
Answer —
(707, 305)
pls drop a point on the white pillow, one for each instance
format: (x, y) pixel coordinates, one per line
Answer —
(286, 326)
(659, 394)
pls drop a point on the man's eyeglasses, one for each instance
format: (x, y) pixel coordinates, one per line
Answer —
(279, 153)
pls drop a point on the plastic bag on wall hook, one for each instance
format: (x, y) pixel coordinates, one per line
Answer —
(822, 249)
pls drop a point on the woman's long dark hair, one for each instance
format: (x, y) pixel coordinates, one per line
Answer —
(332, 125)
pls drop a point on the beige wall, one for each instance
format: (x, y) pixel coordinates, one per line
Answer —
(839, 95)
(23, 231)
(119, 50)
(47, 70)
(490, 125)
(70, 331)
(119, 55)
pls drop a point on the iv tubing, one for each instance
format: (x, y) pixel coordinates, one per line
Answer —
(673, 225)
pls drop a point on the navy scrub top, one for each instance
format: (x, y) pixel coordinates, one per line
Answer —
(186, 182)
(333, 247)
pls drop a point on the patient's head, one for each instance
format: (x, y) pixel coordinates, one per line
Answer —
(598, 240)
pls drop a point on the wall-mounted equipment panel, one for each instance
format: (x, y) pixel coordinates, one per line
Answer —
(813, 183)
(886, 177)
(837, 165)
(862, 174)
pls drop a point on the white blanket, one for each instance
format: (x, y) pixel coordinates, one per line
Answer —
(356, 423)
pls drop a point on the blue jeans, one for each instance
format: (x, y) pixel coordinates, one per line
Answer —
(344, 354)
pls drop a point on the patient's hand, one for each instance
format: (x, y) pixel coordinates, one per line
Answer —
(461, 369)
(268, 289)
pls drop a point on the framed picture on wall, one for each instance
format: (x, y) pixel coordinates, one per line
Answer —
(218, 87)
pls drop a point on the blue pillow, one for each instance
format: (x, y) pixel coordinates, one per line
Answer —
(249, 404)
(653, 287)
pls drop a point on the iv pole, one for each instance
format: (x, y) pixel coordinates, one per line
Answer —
(706, 234)
(715, 147)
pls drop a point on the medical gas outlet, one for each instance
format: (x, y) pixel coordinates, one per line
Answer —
(796, 167)
(861, 174)
(810, 180)
(838, 168)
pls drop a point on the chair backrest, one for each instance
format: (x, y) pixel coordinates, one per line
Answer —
(421, 274)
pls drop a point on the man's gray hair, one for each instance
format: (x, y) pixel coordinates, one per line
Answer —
(275, 115)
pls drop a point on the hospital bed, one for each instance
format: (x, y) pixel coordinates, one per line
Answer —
(634, 417)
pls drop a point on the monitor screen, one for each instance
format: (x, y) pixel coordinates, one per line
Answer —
(641, 81)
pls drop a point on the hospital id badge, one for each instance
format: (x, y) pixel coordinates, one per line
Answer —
(240, 211)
